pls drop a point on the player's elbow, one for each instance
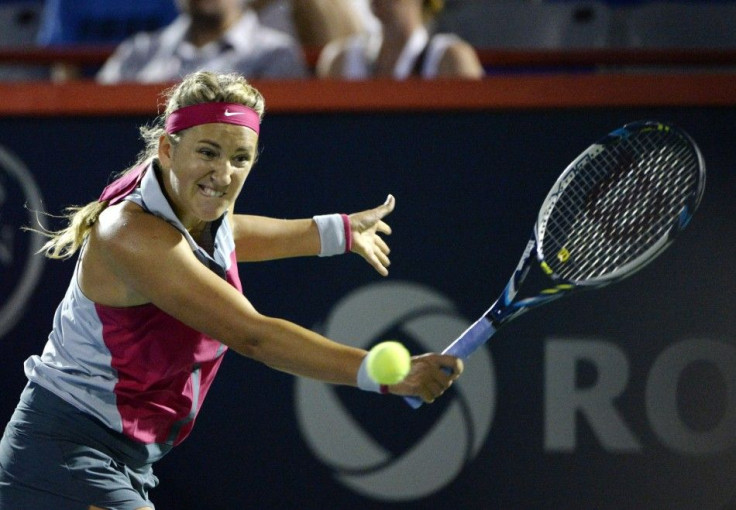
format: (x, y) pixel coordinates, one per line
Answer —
(255, 340)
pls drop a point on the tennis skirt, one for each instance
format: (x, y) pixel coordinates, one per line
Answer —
(53, 456)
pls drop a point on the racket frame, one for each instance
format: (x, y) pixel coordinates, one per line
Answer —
(509, 305)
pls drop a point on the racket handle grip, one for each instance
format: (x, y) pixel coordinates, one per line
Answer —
(467, 343)
(471, 339)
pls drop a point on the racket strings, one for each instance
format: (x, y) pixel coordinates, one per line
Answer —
(620, 203)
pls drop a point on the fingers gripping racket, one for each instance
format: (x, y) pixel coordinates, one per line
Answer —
(613, 210)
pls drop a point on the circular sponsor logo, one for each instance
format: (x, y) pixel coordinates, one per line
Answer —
(382, 448)
(20, 205)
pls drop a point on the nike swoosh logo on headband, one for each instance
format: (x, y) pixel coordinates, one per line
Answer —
(228, 113)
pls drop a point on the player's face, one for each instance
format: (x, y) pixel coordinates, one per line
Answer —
(204, 172)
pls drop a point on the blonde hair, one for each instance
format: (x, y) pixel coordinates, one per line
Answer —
(196, 88)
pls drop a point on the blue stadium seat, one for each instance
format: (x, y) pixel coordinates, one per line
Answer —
(528, 25)
(683, 24)
(89, 22)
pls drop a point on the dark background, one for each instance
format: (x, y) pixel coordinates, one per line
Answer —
(468, 186)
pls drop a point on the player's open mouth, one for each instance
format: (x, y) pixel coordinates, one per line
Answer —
(210, 192)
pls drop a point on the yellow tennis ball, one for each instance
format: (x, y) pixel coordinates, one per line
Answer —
(388, 362)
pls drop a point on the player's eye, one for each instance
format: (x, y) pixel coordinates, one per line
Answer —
(242, 159)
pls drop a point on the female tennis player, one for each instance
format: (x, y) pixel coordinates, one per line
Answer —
(155, 301)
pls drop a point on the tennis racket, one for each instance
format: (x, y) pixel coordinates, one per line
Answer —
(613, 210)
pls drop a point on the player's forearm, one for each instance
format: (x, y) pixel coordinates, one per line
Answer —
(290, 348)
(258, 238)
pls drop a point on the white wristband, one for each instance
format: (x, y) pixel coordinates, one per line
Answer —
(334, 234)
(365, 383)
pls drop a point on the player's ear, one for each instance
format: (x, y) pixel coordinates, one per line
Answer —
(165, 147)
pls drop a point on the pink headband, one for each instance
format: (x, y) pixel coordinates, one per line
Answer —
(209, 113)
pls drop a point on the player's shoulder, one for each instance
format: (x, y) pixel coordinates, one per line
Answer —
(128, 225)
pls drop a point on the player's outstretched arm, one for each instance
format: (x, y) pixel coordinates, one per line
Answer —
(259, 238)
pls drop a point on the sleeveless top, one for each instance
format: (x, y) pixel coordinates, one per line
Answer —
(138, 370)
(421, 55)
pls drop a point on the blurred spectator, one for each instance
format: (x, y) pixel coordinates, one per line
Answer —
(217, 35)
(403, 48)
(312, 22)
(316, 22)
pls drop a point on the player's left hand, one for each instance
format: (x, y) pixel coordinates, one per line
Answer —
(430, 376)
(365, 227)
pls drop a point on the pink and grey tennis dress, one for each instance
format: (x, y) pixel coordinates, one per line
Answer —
(125, 381)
